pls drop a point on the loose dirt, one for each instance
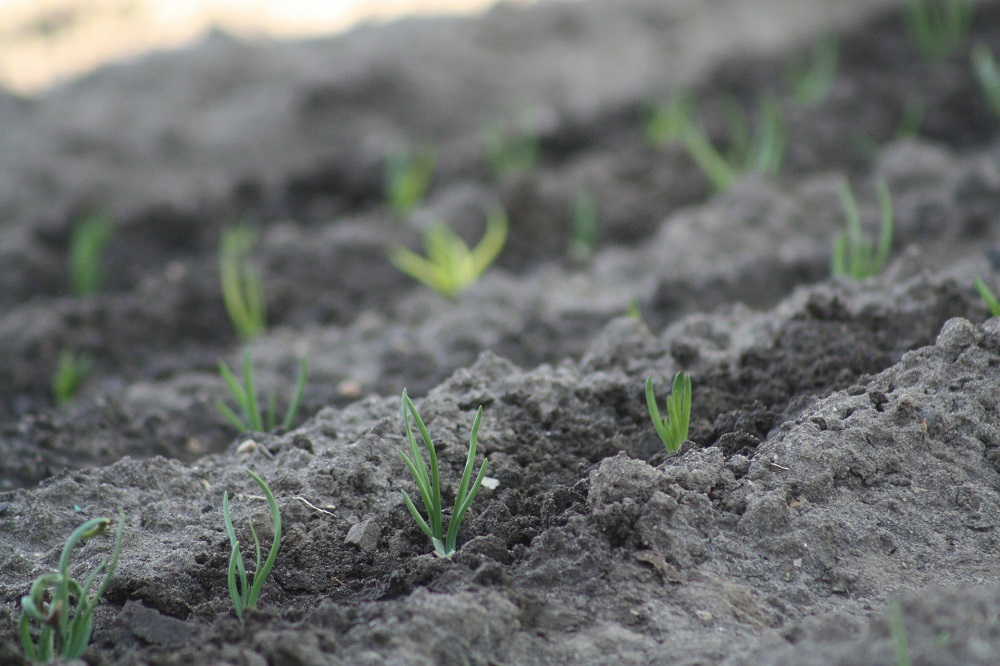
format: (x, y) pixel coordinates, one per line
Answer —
(843, 467)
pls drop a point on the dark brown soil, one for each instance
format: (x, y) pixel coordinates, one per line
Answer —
(844, 449)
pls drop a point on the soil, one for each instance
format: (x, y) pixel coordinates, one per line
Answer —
(842, 473)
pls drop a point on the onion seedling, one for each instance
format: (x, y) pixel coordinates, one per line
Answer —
(852, 255)
(672, 429)
(65, 631)
(429, 485)
(450, 266)
(71, 372)
(250, 417)
(245, 597)
(989, 298)
(984, 65)
(759, 150)
(937, 27)
(512, 151)
(407, 177)
(87, 246)
(812, 80)
(242, 293)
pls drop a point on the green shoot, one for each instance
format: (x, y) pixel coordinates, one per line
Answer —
(430, 486)
(241, 289)
(989, 298)
(897, 629)
(584, 240)
(633, 310)
(245, 597)
(450, 266)
(512, 151)
(760, 150)
(988, 75)
(65, 632)
(853, 255)
(673, 430)
(667, 122)
(87, 245)
(250, 418)
(70, 374)
(812, 80)
(407, 177)
(937, 27)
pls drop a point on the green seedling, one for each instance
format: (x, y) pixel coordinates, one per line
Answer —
(673, 430)
(250, 418)
(61, 606)
(87, 246)
(407, 177)
(430, 485)
(853, 255)
(584, 241)
(811, 80)
(897, 629)
(668, 121)
(984, 65)
(245, 597)
(70, 374)
(759, 150)
(242, 293)
(512, 151)
(450, 266)
(989, 298)
(937, 27)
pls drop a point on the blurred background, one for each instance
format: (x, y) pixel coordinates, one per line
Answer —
(43, 42)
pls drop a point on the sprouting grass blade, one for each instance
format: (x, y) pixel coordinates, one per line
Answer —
(852, 254)
(300, 389)
(87, 246)
(245, 597)
(811, 81)
(430, 485)
(989, 298)
(984, 65)
(673, 430)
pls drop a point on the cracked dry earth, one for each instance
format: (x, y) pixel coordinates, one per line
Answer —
(844, 452)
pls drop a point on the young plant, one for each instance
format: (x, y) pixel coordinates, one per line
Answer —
(853, 255)
(65, 630)
(87, 246)
(242, 293)
(245, 597)
(897, 630)
(450, 266)
(584, 241)
(512, 151)
(70, 374)
(407, 177)
(673, 430)
(429, 485)
(937, 27)
(984, 65)
(667, 122)
(245, 395)
(989, 298)
(812, 80)
(760, 149)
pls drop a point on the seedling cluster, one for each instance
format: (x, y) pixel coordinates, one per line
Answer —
(450, 266)
(759, 148)
(429, 484)
(250, 417)
(242, 293)
(854, 256)
(61, 606)
(245, 596)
